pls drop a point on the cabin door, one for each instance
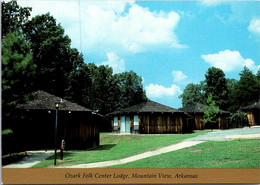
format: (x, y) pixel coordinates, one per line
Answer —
(122, 124)
(127, 125)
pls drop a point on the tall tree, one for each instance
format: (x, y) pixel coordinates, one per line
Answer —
(211, 114)
(131, 89)
(246, 89)
(52, 53)
(18, 70)
(14, 17)
(193, 93)
(231, 85)
(216, 85)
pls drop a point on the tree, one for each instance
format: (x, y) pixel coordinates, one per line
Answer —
(193, 93)
(211, 113)
(14, 17)
(97, 88)
(131, 89)
(246, 89)
(94, 87)
(232, 103)
(216, 85)
(18, 70)
(52, 53)
(258, 78)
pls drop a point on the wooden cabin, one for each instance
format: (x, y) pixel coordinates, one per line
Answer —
(150, 118)
(253, 113)
(77, 125)
(197, 112)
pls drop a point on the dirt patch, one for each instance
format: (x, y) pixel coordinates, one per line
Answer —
(248, 136)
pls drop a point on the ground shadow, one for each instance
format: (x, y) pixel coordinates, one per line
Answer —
(105, 147)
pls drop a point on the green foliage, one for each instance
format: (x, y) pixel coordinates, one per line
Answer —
(231, 85)
(52, 53)
(238, 119)
(216, 85)
(40, 57)
(192, 94)
(246, 90)
(130, 89)
(13, 17)
(18, 71)
(97, 88)
(211, 113)
(7, 131)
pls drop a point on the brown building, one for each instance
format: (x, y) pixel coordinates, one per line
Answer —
(77, 125)
(253, 113)
(197, 111)
(149, 118)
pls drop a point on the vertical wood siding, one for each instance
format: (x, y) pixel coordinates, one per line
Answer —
(160, 123)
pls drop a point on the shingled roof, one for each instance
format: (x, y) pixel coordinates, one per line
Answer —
(45, 101)
(199, 108)
(255, 105)
(148, 106)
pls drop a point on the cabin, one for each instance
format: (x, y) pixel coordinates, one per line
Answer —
(253, 113)
(77, 126)
(197, 112)
(149, 118)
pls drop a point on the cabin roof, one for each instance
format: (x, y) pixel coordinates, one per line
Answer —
(255, 105)
(45, 101)
(199, 108)
(148, 106)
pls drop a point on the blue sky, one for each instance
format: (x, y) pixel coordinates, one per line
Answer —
(168, 43)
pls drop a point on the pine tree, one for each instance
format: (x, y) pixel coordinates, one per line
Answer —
(18, 71)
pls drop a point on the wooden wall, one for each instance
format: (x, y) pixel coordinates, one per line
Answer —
(37, 131)
(198, 124)
(254, 117)
(160, 123)
(81, 131)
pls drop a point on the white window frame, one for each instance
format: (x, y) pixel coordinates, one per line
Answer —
(136, 122)
(116, 121)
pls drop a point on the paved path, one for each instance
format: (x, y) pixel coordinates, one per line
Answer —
(33, 158)
(155, 152)
(218, 135)
(226, 135)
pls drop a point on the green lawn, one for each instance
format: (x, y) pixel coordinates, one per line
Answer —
(219, 154)
(117, 147)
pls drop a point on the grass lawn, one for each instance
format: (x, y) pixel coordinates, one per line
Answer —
(117, 147)
(217, 154)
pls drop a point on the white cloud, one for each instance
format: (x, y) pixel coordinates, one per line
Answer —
(178, 76)
(229, 61)
(254, 26)
(117, 25)
(115, 62)
(158, 91)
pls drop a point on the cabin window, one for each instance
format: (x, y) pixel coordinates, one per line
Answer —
(136, 122)
(115, 123)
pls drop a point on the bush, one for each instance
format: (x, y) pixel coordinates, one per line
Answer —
(238, 120)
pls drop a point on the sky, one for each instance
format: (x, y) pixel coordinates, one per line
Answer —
(168, 43)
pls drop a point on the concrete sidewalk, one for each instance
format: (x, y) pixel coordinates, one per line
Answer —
(155, 152)
(32, 159)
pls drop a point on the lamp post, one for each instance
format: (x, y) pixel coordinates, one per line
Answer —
(56, 123)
